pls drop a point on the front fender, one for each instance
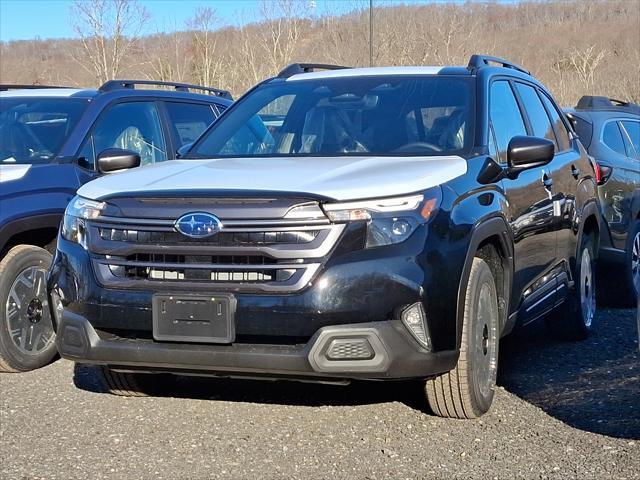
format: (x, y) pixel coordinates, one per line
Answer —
(481, 215)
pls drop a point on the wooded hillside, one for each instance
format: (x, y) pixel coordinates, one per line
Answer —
(575, 47)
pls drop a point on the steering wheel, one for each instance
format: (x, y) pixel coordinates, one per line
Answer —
(418, 145)
(353, 146)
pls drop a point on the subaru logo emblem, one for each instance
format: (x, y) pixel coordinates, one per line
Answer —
(198, 225)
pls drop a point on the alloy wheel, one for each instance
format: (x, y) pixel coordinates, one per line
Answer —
(486, 336)
(587, 289)
(635, 262)
(27, 312)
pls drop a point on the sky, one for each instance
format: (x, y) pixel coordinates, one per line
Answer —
(29, 19)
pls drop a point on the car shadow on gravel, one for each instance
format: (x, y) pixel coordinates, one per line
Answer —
(276, 392)
(593, 385)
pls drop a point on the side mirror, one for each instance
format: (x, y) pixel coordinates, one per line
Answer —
(113, 159)
(184, 149)
(529, 152)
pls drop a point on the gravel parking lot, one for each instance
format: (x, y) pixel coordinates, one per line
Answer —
(563, 410)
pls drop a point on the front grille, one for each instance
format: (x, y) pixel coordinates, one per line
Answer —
(163, 258)
(222, 238)
(198, 268)
(262, 255)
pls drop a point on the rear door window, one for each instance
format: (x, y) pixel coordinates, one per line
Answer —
(505, 116)
(538, 118)
(562, 133)
(188, 121)
(612, 138)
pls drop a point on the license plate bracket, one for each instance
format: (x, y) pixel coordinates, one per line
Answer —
(194, 318)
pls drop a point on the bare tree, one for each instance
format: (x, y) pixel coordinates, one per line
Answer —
(166, 56)
(205, 61)
(585, 62)
(547, 37)
(283, 22)
(108, 31)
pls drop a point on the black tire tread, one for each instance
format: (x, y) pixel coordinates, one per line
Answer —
(122, 384)
(6, 365)
(448, 394)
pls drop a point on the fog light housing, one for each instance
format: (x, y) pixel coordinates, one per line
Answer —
(350, 349)
(415, 319)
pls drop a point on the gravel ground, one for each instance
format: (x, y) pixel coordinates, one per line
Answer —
(563, 410)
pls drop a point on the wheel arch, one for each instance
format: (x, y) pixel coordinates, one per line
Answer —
(492, 241)
(590, 225)
(39, 231)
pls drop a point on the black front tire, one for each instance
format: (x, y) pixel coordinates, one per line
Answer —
(123, 384)
(25, 311)
(467, 391)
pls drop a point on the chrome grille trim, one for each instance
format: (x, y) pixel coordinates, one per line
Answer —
(297, 282)
(168, 223)
(319, 247)
(128, 253)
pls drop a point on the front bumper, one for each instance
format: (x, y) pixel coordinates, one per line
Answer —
(385, 350)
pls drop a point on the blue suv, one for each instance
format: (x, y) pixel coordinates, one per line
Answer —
(52, 141)
(610, 131)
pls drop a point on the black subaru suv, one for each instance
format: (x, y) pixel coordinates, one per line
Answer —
(335, 224)
(610, 131)
(52, 140)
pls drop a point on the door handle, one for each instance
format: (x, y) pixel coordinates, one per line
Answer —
(575, 171)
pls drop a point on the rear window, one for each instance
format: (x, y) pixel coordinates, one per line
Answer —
(33, 130)
(346, 116)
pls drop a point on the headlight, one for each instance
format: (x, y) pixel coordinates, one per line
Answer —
(389, 220)
(78, 211)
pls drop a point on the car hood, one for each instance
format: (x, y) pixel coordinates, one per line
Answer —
(338, 178)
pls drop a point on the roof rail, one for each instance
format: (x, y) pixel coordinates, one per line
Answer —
(4, 88)
(477, 62)
(594, 102)
(180, 87)
(296, 68)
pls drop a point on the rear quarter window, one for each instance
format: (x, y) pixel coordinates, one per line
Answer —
(612, 138)
(584, 129)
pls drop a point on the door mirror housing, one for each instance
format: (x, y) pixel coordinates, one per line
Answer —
(529, 152)
(184, 149)
(113, 159)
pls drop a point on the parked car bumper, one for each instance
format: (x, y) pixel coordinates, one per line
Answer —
(385, 349)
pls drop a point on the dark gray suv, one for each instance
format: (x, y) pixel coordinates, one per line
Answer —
(610, 130)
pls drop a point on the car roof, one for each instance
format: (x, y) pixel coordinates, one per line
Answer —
(487, 71)
(48, 92)
(601, 115)
(380, 71)
(117, 93)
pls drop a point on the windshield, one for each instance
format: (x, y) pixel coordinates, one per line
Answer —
(33, 130)
(382, 115)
